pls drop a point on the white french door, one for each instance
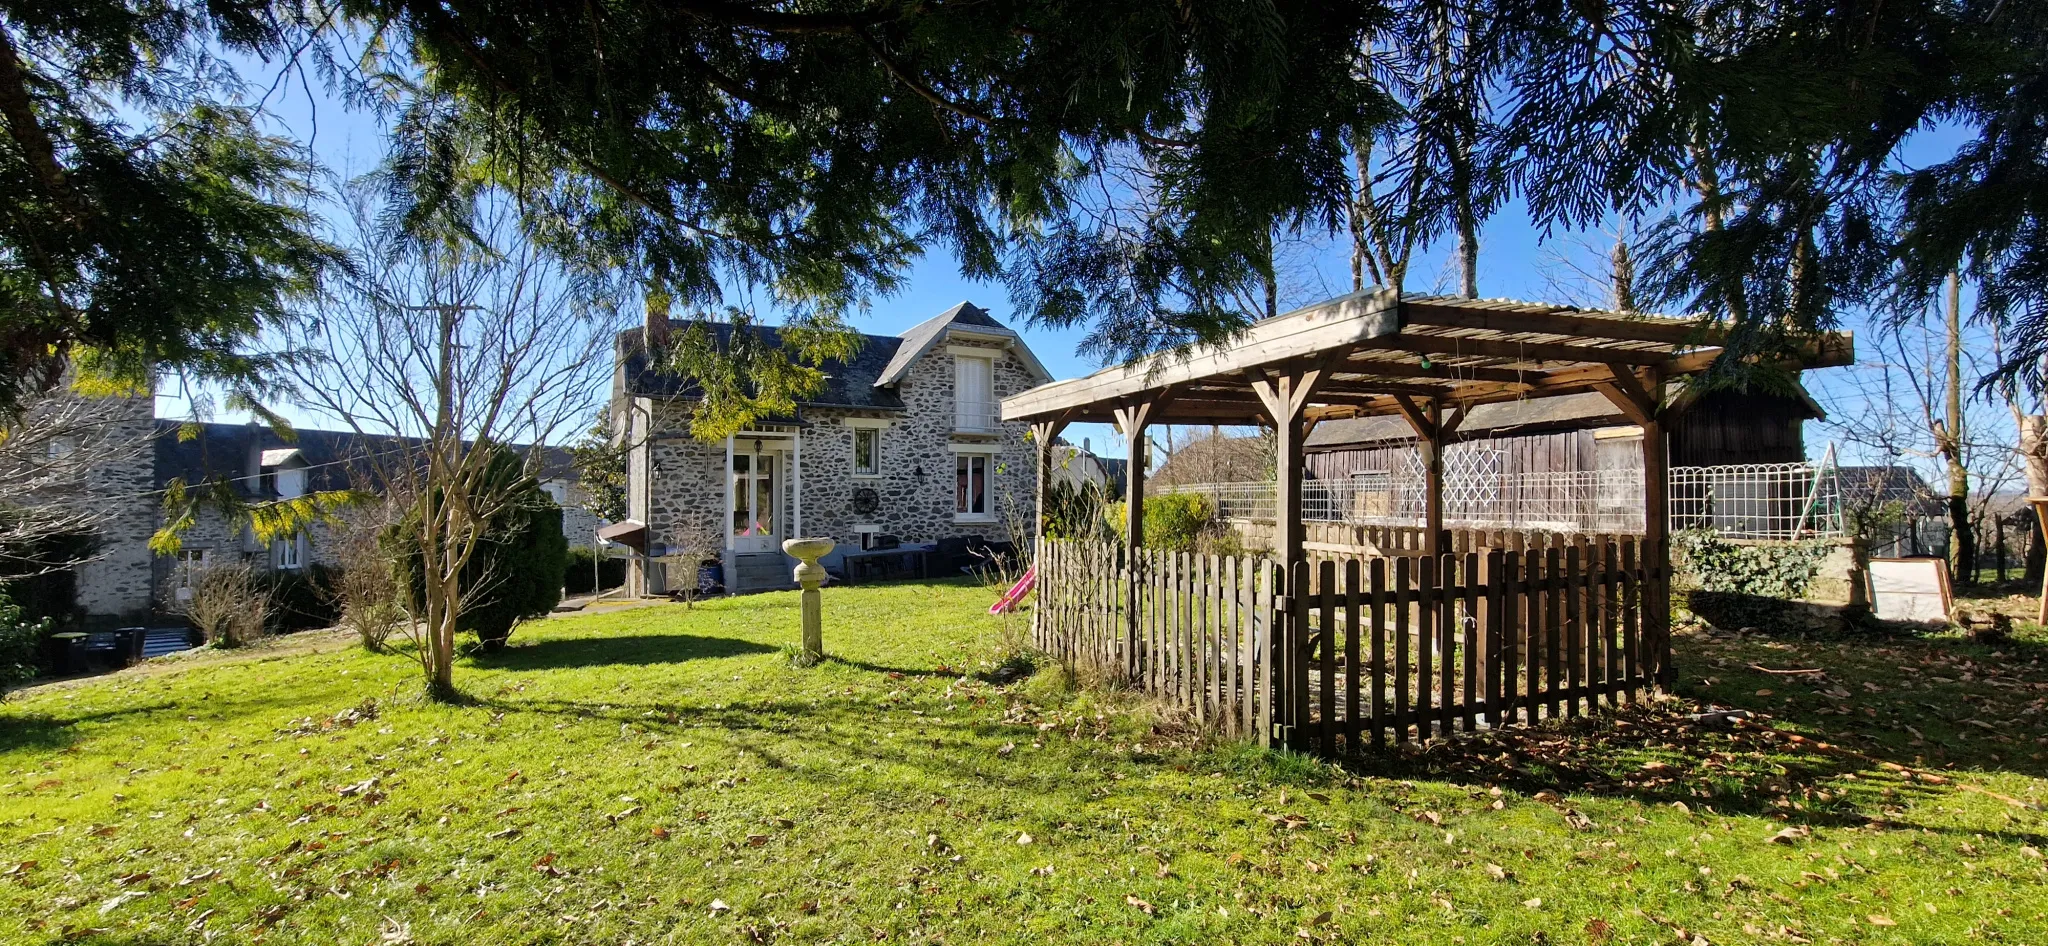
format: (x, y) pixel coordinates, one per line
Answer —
(756, 501)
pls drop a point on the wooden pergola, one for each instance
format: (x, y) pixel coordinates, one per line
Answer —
(1426, 358)
(1332, 659)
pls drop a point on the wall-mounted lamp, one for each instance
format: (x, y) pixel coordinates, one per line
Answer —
(917, 471)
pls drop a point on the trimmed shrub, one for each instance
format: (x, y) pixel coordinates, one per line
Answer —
(611, 572)
(516, 571)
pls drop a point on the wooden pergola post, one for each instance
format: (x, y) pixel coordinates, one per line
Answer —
(1131, 420)
(1284, 394)
(1043, 433)
(1639, 398)
(1431, 432)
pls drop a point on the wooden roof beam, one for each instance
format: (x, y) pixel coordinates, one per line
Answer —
(1660, 329)
(1440, 371)
(1516, 351)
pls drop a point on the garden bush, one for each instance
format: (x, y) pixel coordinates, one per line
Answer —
(1776, 570)
(611, 572)
(1174, 522)
(517, 569)
(20, 645)
(229, 606)
(303, 599)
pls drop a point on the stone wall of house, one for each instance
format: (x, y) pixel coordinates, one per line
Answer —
(677, 488)
(912, 507)
(117, 582)
(679, 483)
(226, 544)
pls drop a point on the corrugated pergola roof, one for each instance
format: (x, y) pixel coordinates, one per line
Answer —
(1382, 354)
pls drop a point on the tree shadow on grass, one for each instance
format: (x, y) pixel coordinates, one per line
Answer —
(626, 650)
(41, 731)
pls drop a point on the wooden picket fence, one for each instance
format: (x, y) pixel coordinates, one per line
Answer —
(1348, 653)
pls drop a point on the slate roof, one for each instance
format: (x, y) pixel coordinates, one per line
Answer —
(223, 451)
(922, 336)
(1873, 485)
(847, 384)
(866, 382)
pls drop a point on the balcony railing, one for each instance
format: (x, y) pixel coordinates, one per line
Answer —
(978, 418)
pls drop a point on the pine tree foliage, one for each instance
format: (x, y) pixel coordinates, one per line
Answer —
(147, 220)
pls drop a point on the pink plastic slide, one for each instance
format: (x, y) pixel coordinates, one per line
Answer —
(1008, 602)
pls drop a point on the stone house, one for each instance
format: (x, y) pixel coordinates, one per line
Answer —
(905, 440)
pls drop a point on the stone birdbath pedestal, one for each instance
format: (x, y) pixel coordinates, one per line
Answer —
(811, 576)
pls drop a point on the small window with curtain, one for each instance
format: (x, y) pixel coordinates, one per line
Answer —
(867, 451)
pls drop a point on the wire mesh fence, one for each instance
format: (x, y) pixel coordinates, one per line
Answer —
(1754, 501)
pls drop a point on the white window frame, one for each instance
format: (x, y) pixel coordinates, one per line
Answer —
(988, 485)
(874, 466)
(189, 562)
(289, 553)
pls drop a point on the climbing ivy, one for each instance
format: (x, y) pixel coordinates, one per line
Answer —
(1775, 570)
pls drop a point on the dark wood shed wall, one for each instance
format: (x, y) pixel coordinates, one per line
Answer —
(1523, 453)
(1728, 427)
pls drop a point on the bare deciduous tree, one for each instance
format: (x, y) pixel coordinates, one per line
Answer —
(471, 337)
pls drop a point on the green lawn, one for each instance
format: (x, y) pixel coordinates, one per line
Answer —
(664, 775)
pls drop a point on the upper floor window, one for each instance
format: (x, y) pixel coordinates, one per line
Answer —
(867, 451)
(974, 393)
(291, 484)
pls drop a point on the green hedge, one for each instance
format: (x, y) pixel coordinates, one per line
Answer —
(611, 572)
(1776, 570)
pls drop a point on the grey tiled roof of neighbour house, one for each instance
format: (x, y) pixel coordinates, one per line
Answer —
(333, 457)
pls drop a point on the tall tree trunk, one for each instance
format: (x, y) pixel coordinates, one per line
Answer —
(1962, 544)
(1468, 239)
(1272, 281)
(2034, 456)
(1624, 277)
(1361, 258)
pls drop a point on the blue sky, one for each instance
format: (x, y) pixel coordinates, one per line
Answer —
(1516, 261)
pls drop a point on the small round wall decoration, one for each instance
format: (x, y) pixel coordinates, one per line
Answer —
(866, 501)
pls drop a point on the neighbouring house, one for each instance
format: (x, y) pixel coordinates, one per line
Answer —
(1074, 466)
(125, 581)
(904, 444)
